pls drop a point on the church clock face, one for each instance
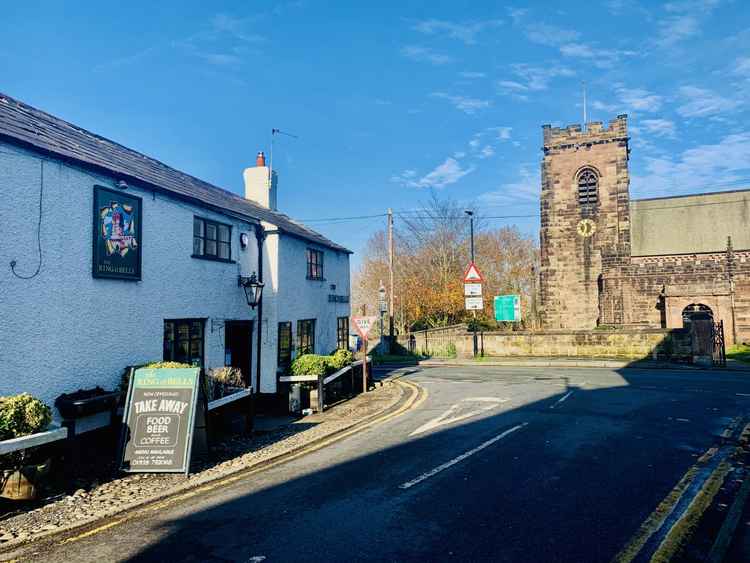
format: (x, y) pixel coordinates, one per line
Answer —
(586, 228)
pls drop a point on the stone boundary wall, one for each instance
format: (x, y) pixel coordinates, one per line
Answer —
(629, 344)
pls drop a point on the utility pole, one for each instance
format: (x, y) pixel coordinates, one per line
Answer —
(474, 313)
(390, 275)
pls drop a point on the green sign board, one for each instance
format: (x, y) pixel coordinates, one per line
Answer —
(159, 420)
(507, 307)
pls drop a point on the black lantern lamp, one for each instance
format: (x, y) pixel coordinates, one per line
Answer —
(253, 289)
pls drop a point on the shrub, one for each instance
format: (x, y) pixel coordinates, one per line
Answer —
(340, 359)
(223, 380)
(227, 375)
(21, 415)
(310, 364)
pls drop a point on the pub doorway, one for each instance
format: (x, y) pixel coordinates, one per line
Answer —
(238, 347)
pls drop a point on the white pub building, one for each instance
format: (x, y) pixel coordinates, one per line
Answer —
(109, 258)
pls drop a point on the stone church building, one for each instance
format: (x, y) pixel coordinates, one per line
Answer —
(610, 261)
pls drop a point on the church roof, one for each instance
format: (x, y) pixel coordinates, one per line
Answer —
(32, 128)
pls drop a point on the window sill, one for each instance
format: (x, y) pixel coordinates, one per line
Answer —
(213, 258)
(315, 279)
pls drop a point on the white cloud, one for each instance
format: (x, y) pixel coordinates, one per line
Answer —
(235, 27)
(703, 168)
(550, 35)
(684, 21)
(700, 102)
(742, 67)
(486, 152)
(502, 132)
(472, 75)
(447, 173)
(465, 104)
(604, 106)
(601, 58)
(466, 32)
(659, 127)
(639, 99)
(526, 189)
(425, 55)
(531, 79)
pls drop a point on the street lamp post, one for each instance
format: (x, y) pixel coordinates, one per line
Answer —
(471, 242)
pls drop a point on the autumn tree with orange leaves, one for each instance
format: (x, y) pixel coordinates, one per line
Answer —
(431, 251)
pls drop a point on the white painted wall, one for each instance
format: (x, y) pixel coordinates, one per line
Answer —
(293, 297)
(63, 329)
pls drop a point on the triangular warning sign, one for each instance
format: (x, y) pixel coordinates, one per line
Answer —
(472, 274)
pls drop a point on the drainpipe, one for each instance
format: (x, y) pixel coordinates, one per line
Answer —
(260, 236)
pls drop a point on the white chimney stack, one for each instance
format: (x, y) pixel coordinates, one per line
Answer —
(259, 187)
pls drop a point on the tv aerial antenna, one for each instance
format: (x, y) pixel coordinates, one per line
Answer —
(275, 132)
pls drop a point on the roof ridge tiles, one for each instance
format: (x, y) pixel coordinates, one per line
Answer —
(33, 127)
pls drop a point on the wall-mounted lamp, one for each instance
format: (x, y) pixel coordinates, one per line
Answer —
(253, 289)
(122, 184)
(244, 240)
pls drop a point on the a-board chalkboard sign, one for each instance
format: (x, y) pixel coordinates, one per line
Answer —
(159, 420)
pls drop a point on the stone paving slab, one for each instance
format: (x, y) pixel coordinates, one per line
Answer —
(239, 453)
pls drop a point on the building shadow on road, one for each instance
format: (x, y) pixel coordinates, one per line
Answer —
(588, 461)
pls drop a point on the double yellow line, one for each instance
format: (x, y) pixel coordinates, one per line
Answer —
(416, 398)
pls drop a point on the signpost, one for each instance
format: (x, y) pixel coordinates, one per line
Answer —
(473, 294)
(508, 308)
(159, 420)
(363, 326)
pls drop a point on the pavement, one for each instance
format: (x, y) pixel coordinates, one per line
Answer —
(277, 438)
(495, 464)
(572, 361)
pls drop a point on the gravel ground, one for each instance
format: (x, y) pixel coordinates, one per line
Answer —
(230, 456)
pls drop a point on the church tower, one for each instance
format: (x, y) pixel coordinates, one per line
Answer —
(584, 220)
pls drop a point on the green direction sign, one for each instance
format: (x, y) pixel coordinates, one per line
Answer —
(507, 307)
(159, 419)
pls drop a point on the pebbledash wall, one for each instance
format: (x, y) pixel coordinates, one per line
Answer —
(64, 330)
(294, 297)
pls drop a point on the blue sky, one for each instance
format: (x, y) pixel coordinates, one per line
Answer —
(392, 99)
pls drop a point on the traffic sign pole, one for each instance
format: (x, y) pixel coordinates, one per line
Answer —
(364, 369)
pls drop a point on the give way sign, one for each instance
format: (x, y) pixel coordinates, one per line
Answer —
(364, 324)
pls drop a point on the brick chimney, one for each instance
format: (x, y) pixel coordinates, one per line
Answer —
(258, 187)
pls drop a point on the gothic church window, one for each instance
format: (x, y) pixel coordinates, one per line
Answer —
(588, 186)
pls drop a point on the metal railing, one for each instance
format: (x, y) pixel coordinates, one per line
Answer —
(342, 384)
(720, 351)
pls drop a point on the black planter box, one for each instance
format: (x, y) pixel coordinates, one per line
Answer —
(86, 402)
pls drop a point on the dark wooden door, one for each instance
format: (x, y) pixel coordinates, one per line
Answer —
(238, 347)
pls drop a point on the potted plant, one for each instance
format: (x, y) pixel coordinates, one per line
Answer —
(20, 471)
(86, 402)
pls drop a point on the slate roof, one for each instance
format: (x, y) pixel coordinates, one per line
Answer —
(33, 128)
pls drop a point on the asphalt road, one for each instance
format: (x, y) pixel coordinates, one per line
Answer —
(498, 464)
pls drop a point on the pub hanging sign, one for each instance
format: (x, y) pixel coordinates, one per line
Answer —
(117, 241)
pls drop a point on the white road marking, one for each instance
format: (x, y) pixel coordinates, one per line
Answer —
(743, 394)
(460, 458)
(450, 416)
(256, 559)
(568, 394)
